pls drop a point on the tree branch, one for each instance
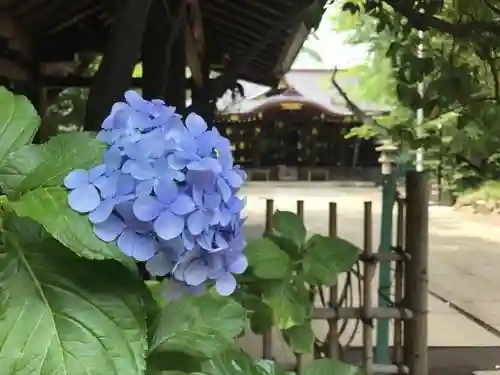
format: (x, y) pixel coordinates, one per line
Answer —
(421, 21)
(358, 112)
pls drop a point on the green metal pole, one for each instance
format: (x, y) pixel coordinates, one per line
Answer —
(388, 199)
(384, 289)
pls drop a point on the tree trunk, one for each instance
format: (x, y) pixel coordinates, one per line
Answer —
(115, 72)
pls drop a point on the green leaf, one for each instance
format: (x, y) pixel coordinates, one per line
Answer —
(49, 207)
(327, 257)
(162, 362)
(300, 338)
(331, 367)
(62, 314)
(237, 362)
(60, 155)
(18, 122)
(289, 225)
(261, 315)
(267, 260)
(15, 166)
(199, 326)
(289, 301)
(287, 245)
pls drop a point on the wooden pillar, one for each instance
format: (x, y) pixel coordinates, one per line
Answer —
(154, 53)
(175, 93)
(415, 352)
(115, 72)
(206, 110)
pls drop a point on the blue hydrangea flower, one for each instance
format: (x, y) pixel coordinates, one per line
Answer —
(166, 194)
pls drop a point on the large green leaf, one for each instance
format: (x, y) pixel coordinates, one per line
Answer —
(237, 362)
(289, 301)
(327, 257)
(15, 166)
(267, 260)
(60, 155)
(300, 338)
(331, 367)
(200, 326)
(18, 122)
(65, 315)
(288, 225)
(49, 207)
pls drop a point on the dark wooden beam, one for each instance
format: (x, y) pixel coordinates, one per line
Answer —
(222, 83)
(115, 72)
(78, 81)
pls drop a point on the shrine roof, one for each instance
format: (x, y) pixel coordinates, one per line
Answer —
(62, 28)
(306, 87)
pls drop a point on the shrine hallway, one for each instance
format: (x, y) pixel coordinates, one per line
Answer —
(464, 250)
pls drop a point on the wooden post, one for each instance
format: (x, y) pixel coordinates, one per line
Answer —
(399, 282)
(417, 289)
(370, 265)
(267, 345)
(114, 76)
(333, 333)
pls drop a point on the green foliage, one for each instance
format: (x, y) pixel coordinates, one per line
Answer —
(72, 304)
(459, 69)
(18, 122)
(326, 258)
(276, 289)
(267, 259)
(48, 206)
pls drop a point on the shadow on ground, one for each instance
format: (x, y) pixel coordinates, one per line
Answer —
(452, 360)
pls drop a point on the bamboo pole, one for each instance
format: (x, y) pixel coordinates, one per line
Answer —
(398, 283)
(333, 334)
(369, 267)
(267, 345)
(298, 356)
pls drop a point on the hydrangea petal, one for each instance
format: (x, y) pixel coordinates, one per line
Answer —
(139, 247)
(174, 290)
(236, 204)
(182, 205)
(76, 179)
(196, 222)
(160, 264)
(233, 178)
(102, 212)
(145, 187)
(195, 273)
(224, 189)
(212, 200)
(205, 164)
(166, 191)
(107, 185)
(168, 225)
(113, 159)
(188, 240)
(147, 208)
(110, 229)
(195, 124)
(141, 170)
(84, 199)
(225, 284)
(126, 184)
(239, 264)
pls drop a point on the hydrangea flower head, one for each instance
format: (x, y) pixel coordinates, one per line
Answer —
(166, 194)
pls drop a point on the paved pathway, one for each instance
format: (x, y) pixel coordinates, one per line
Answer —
(464, 266)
